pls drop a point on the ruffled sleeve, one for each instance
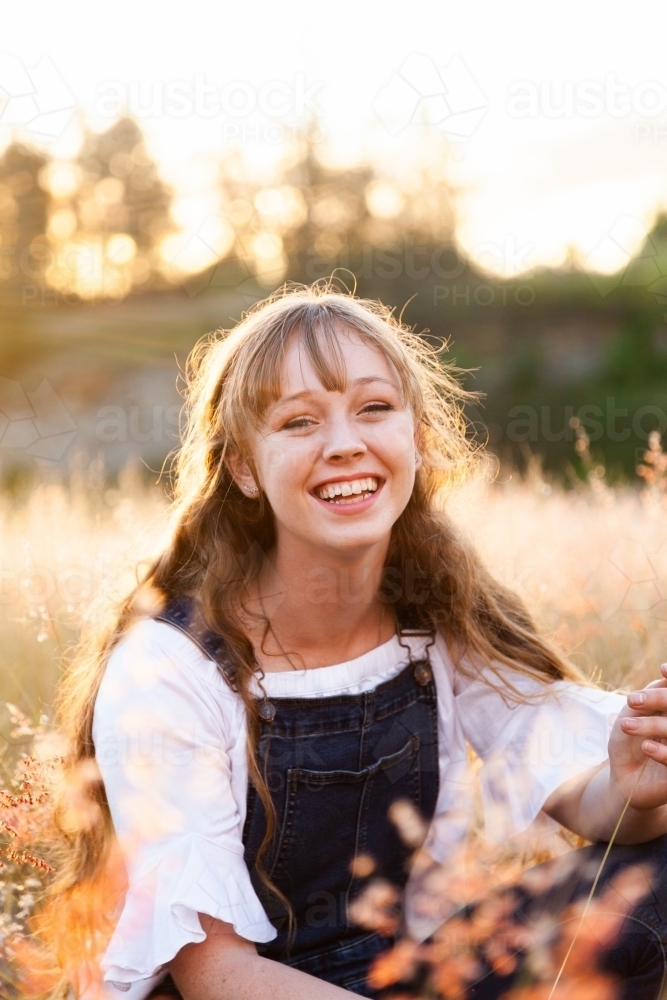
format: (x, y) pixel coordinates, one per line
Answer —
(529, 749)
(166, 730)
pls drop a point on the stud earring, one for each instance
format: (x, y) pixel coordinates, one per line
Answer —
(251, 489)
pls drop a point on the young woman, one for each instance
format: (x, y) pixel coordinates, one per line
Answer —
(316, 644)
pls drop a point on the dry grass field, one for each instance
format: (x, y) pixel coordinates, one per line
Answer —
(590, 562)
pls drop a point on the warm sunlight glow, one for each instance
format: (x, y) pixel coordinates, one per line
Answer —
(550, 142)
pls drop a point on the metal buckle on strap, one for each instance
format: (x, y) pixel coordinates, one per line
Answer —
(422, 670)
(267, 710)
(409, 622)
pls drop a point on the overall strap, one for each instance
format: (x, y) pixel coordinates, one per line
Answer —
(410, 622)
(179, 613)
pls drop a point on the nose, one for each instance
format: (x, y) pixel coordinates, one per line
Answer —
(343, 442)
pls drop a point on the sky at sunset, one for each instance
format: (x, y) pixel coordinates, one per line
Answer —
(556, 113)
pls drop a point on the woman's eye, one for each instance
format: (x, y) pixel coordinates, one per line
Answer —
(297, 423)
(377, 408)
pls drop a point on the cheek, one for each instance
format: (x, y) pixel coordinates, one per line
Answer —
(282, 469)
(396, 447)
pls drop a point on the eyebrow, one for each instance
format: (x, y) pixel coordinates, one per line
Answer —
(363, 380)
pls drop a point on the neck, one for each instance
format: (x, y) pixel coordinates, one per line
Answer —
(322, 606)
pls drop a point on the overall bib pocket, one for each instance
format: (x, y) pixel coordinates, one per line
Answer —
(331, 817)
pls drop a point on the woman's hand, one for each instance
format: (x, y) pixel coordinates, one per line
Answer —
(640, 735)
(592, 803)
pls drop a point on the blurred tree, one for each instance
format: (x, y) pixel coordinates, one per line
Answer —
(648, 267)
(309, 217)
(635, 358)
(108, 228)
(23, 214)
(121, 191)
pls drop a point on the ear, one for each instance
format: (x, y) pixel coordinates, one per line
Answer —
(241, 474)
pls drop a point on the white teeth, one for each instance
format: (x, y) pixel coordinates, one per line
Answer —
(352, 488)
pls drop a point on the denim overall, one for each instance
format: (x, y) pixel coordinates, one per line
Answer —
(334, 767)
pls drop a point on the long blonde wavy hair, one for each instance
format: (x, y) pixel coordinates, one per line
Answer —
(219, 536)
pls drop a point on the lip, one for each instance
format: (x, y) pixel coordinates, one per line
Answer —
(347, 509)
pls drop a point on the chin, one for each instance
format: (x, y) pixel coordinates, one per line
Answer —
(349, 541)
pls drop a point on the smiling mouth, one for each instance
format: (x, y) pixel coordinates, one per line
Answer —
(349, 492)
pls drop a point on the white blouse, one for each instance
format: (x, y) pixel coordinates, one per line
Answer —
(170, 743)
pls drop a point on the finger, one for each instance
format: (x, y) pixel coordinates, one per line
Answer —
(652, 727)
(656, 751)
(650, 699)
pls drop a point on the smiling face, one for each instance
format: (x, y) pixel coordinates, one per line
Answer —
(337, 467)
